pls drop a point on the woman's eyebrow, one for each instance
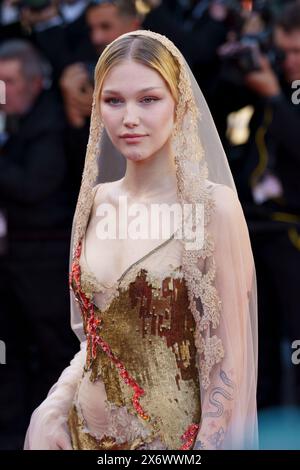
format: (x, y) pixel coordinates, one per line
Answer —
(106, 92)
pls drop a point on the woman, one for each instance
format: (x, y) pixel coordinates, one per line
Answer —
(167, 330)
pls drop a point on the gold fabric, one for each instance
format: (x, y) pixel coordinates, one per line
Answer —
(144, 336)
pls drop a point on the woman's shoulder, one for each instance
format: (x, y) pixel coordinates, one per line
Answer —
(219, 189)
(225, 198)
(104, 192)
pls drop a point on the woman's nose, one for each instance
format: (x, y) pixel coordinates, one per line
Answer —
(131, 117)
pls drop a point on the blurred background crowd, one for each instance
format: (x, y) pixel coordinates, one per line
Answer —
(245, 55)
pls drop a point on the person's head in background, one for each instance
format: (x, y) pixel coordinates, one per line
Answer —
(287, 38)
(23, 72)
(108, 19)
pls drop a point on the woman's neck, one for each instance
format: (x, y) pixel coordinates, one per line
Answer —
(155, 176)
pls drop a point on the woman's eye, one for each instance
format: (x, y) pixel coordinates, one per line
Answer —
(150, 98)
(109, 100)
(147, 99)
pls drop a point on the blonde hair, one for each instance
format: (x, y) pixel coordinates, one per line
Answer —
(144, 50)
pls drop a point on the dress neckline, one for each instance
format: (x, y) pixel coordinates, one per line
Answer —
(116, 283)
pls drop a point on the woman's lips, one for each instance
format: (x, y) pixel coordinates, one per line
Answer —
(132, 139)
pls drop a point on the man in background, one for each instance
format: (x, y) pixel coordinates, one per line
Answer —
(34, 191)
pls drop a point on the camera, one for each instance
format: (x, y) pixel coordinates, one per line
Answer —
(241, 56)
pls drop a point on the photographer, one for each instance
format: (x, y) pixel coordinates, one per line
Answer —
(267, 173)
(34, 192)
(279, 253)
(56, 28)
(44, 27)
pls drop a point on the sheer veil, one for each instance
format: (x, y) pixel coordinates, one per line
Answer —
(220, 274)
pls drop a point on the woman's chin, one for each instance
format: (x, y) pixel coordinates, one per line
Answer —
(135, 157)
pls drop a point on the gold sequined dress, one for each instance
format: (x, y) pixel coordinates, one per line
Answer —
(140, 383)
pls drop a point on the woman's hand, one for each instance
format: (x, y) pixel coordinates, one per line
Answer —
(48, 430)
(62, 441)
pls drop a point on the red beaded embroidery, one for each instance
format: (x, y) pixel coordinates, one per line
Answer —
(92, 323)
(189, 436)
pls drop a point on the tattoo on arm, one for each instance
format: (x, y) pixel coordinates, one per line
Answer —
(227, 394)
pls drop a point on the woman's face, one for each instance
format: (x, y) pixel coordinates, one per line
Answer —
(135, 99)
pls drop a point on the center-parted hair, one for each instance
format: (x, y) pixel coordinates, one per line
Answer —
(141, 49)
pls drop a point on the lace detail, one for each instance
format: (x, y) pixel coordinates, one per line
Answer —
(122, 426)
(91, 286)
(119, 423)
(154, 278)
(90, 283)
(89, 176)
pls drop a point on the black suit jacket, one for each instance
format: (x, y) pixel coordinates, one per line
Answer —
(34, 173)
